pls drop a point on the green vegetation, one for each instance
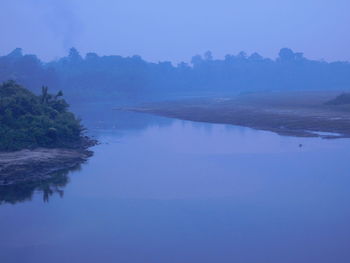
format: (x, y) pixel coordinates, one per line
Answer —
(342, 99)
(30, 121)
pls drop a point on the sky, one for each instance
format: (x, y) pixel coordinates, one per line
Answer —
(176, 30)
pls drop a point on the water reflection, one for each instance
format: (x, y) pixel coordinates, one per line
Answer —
(99, 122)
(18, 193)
(190, 192)
(107, 118)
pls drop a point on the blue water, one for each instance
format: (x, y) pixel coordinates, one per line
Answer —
(178, 191)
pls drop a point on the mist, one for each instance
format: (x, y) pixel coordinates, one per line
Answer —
(188, 131)
(119, 80)
(175, 31)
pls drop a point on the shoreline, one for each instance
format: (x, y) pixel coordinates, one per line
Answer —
(29, 165)
(298, 114)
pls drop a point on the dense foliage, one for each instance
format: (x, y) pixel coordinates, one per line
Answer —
(29, 121)
(95, 78)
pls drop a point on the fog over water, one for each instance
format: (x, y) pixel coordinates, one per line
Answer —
(164, 190)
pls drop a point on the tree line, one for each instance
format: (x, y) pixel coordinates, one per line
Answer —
(102, 78)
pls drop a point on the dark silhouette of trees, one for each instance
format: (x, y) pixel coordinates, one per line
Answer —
(121, 79)
(342, 99)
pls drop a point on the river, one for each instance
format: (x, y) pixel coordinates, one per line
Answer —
(165, 190)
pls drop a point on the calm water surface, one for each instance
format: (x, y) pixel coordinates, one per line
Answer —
(179, 191)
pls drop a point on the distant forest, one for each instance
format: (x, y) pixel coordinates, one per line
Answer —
(114, 78)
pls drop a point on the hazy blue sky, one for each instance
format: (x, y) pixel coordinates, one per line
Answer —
(175, 30)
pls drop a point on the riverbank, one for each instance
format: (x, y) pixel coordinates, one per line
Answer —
(303, 114)
(38, 164)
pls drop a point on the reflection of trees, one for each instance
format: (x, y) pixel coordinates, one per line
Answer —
(22, 192)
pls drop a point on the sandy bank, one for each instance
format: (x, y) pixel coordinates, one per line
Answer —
(296, 114)
(38, 164)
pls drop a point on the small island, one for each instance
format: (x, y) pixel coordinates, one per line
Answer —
(38, 135)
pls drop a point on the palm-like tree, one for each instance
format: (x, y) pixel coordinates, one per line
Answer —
(44, 94)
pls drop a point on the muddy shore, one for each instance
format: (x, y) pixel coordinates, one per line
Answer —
(303, 114)
(38, 164)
